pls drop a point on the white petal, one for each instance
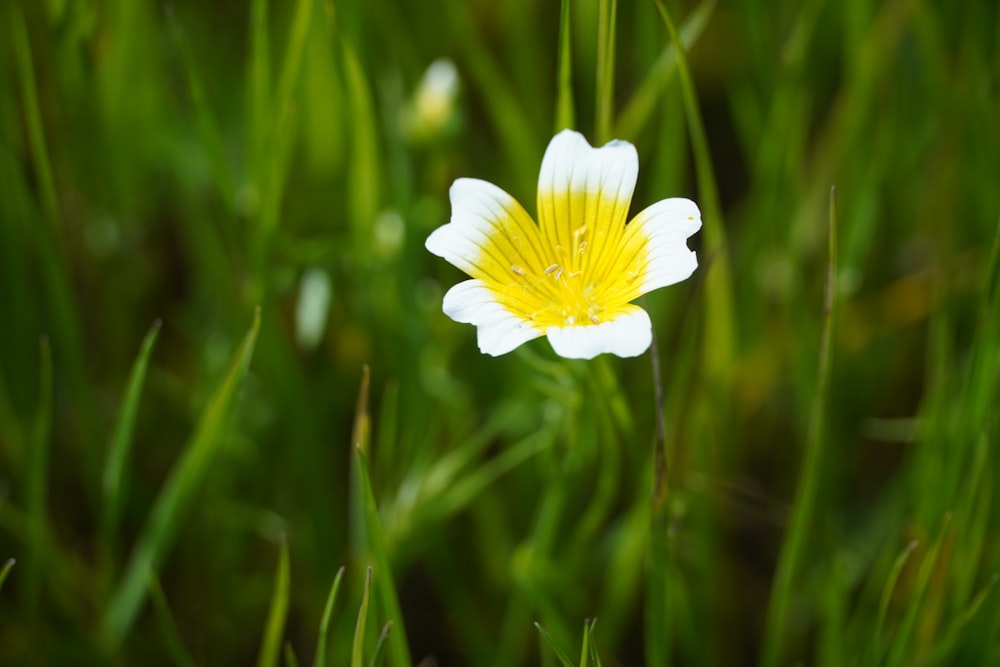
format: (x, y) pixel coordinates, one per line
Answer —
(571, 163)
(479, 211)
(627, 335)
(605, 177)
(498, 330)
(667, 225)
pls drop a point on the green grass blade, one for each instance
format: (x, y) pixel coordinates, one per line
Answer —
(270, 648)
(324, 625)
(121, 443)
(358, 647)
(33, 117)
(388, 597)
(208, 127)
(900, 652)
(585, 650)
(5, 570)
(279, 132)
(589, 630)
(258, 90)
(565, 112)
(37, 473)
(887, 591)
(604, 105)
(290, 659)
(718, 345)
(387, 594)
(168, 627)
(172, 504)
(643, 103)
(558, 650)
(379, 654)
(804, 504)
(364, 176)
(942, 653)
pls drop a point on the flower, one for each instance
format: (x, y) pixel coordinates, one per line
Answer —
(571, 277)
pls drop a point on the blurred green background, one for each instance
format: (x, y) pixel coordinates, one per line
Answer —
(168, 168)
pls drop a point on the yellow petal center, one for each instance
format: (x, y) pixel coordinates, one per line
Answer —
(581, 268)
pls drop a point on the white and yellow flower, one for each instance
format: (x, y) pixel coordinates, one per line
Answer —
(573, 276)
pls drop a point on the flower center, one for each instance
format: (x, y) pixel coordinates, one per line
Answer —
(558, 297)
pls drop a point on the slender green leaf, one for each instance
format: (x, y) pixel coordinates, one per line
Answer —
(5, 570)
(718, 345)
(320, 659)
(565, 112)
(37, 473)
(121, 442)
(379, 654)
(388, 597)
(900, 652)
(608, 13)
(290, 659)
(168, 627)
(942, 653)
(358, 647)
(270, 648)
(641, 106)
(386, 592)
(558, 650)
(173, 503)
(208, 126)
(887, 591)
(589, 633)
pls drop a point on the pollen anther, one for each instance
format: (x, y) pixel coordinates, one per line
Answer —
(518, 270)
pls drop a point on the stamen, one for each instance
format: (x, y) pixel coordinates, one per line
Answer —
(551, 268)
(594, 319)
(518, 270)
(580, 231)
(583, 247)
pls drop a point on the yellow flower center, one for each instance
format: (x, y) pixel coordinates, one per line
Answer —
(559, 275)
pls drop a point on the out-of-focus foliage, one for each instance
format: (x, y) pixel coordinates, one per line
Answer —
(177, 165)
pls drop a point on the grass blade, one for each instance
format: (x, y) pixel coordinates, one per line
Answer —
(589, 632)
(718, 344)
(804, 503)
(899, 654)
(270, 648)
(558, 650)
(358, 648)
(207, 125)
(887, 590)
(565, 112)
(175, 647)
(604, 105)
(387, 594)
(324, 625)
(121, 443)
(171, 505)
(5, 570)
(386, 588)
(642, 104)
(38, 464)
(379, 654)
(290, 659)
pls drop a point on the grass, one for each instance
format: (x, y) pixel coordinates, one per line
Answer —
(186, 479)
